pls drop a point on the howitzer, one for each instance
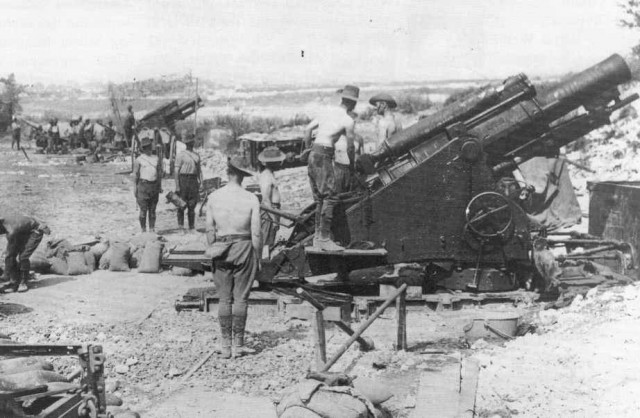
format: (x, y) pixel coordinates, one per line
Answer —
(432, 194)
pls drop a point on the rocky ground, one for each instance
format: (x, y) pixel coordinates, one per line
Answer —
(579, 361)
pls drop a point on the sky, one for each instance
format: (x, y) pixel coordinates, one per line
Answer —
(320, 41)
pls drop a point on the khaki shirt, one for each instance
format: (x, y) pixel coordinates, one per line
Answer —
(147, 167)
(187, 162)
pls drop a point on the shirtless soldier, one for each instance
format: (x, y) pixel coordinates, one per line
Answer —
(233, 234)
(270, 158)
(331, 124)
(148, 184)
(188, 173)
(388, 123)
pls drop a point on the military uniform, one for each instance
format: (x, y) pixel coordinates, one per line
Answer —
(188, 170)
(145, 170)
(15, 134)
(24, 234)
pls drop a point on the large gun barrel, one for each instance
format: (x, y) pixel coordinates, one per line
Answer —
(510, 120)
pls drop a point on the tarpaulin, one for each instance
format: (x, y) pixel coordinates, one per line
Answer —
(554, 203)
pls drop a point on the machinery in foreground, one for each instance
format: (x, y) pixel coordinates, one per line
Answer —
(30, 389)
(442, 192)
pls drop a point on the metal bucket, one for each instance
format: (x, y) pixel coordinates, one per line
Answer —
(176, 200)
(492, 325)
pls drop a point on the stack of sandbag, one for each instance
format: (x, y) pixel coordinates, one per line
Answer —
(68, 259)
(333, 395)
(143, 252)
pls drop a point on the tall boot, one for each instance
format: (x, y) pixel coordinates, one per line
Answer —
(152, 222)
(226, 327)
(143, 223)
(24, 277)
(239, 323)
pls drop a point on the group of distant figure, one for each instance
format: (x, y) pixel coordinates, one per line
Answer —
(81, 133)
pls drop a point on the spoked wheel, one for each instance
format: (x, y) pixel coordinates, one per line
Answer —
(489, 216)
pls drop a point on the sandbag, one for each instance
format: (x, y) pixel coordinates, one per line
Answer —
(136, 257)
(77, 264)
(151, 258)
(28, 379)
(90, 260)
(324, 401)
(39, 262)
(59, 266)
(99, 249)
(120, 256)
(105, 260)
(374, 390)
(21, 364)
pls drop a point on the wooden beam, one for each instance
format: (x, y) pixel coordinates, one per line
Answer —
(320, 340)
(401, 316)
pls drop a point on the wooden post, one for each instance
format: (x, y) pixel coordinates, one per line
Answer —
(401, 316)
(363, 328)
(320, 340)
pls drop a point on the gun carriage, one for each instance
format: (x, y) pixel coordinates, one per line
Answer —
(433, 194)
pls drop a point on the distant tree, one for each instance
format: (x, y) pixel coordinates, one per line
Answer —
(631, 19)
(12, 91)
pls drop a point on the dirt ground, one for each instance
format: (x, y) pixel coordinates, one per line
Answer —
(578, 362)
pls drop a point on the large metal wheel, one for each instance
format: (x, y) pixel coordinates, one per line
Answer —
(489, 216)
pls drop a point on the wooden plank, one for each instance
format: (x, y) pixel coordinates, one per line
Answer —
(320, 340)
(469, 387)
(401, 316)
(438, 393)
(378, 252)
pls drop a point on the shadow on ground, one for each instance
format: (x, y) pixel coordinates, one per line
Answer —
(8, 309)
(49, 281)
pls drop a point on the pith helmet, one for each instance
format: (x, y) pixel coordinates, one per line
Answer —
(145, 142)
(271, 155)
(238, 163)
(383, 97)
(350, 92)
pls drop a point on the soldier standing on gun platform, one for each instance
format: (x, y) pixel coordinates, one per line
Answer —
(188, 173)
(53, 143)
(15, 133)
(388, 123)
(270, 158)
(147, 181)
(23, 236)
(331, 125)
(233, 234)
(129, 126)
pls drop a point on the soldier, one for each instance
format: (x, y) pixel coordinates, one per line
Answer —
(109, 133)
(23, 236)
(188, 173)
(15, 133)
(330, 125)
(129, 126)
(270, 159)
(388, 123)
(233, 234)
(53, 144)
(147, 181)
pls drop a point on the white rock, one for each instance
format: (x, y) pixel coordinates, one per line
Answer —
(122, 369)
(592, 293)
(237, 385)
(479, 344)
(132, 361)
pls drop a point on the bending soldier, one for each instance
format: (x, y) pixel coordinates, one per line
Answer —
(233, 234)
(23, 237)
(188, 172)
(147, 180)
